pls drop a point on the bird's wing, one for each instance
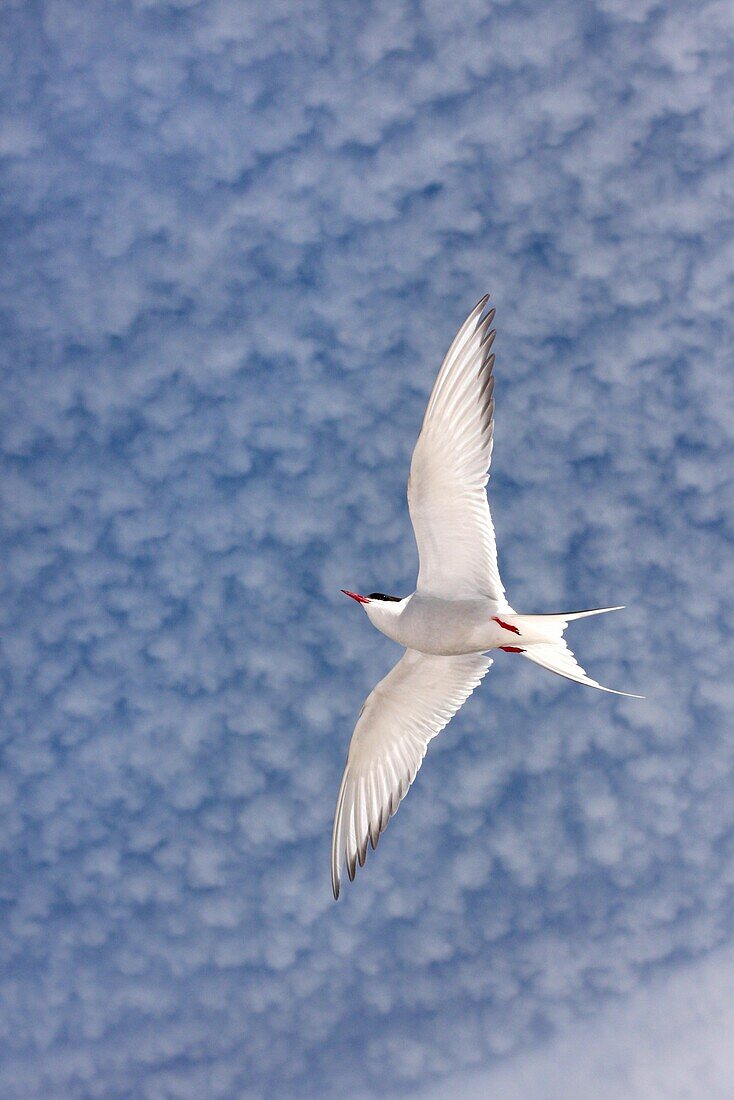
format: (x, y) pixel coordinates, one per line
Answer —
(413, 703)
(447, 494)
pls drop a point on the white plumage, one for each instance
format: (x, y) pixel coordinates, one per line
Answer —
(449, 471)
(458, 611)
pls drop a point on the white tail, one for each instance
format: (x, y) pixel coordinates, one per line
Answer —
(554, 654)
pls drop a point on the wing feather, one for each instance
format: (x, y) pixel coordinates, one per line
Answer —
(412, 704)
(449, 471)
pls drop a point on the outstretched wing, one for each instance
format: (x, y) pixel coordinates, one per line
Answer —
(447, 494)
(413, 703)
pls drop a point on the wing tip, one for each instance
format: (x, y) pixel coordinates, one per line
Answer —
(625, 694)
(337, 845)
(488, 338)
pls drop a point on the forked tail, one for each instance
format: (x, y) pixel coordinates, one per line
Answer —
(554, 654)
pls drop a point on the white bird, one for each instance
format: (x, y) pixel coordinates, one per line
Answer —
(458, 612)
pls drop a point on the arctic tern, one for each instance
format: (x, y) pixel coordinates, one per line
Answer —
(458, 612)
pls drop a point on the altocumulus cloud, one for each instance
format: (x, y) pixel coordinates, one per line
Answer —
(237, 239)
(667, 1041)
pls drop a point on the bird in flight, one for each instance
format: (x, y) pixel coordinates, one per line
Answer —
(458, 612)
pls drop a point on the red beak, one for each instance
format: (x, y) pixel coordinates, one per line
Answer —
(355, 596)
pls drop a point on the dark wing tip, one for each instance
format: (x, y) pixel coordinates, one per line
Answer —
(488, 338)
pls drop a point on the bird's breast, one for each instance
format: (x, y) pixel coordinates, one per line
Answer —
(444, 627)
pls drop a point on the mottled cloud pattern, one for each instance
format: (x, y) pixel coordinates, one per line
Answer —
(237, 239)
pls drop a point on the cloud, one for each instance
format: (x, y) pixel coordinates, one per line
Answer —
(669, 1040)
(238, 241)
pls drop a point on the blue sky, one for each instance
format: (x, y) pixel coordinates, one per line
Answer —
(237, 240)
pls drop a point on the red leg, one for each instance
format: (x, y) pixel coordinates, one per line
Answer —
(511, 649)
(505, 626)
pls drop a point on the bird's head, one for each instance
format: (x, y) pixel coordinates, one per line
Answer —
(377, 604)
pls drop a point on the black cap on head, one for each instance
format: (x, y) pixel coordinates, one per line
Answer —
(382, 596)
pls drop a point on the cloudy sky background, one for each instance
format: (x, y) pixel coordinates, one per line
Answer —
(237, 239)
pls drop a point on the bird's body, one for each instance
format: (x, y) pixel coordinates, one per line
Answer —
(444, 627)
(439, 626)
(458, 612)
